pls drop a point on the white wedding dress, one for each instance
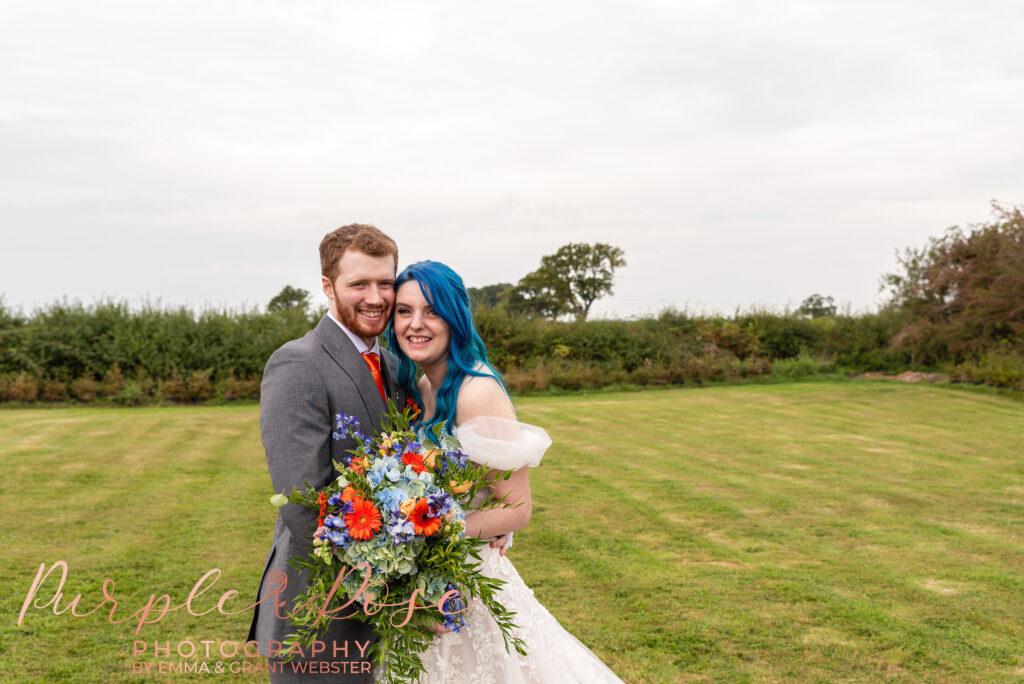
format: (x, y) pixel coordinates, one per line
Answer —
(476, 654)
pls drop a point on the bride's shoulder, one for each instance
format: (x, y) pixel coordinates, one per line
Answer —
(482, 395)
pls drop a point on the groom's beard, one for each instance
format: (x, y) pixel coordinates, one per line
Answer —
(351, 320)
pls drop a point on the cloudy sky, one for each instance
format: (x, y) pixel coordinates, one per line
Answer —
(741, 153)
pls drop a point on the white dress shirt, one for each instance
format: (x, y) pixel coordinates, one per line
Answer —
(356, 339)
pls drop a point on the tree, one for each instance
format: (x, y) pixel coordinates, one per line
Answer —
(817, 306)
(539, 294)
(488, 296)
(289, 298)
(964, 291)
(568, 281)
(12, 319)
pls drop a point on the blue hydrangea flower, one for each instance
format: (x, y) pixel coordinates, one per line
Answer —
(390, 498)
(384, 468)
(401, 530)
(415, 485)
(432, 585)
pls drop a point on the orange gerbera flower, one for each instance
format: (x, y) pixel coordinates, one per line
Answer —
(415, 460)
(357, 465)
(421, 524)
(348, 494)
(364, 519)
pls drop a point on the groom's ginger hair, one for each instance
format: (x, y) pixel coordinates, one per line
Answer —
(361, 236)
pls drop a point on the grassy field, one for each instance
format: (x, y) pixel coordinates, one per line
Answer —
(818, 532)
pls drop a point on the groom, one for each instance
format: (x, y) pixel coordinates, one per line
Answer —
(338, 367)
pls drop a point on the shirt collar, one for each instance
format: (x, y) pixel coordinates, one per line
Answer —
(356, 340)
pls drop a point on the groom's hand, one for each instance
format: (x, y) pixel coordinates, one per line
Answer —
(500, 543)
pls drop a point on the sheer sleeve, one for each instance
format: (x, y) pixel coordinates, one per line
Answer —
(501, 443)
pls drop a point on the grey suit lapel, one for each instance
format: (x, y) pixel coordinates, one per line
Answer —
(391, 376)
(340, 348)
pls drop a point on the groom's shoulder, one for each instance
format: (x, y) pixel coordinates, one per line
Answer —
(305, 347)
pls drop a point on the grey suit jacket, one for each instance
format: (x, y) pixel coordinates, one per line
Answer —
(306, 383)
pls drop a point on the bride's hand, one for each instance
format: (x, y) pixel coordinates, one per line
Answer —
(500, 543)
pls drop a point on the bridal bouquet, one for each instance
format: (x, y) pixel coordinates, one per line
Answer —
(390, 547)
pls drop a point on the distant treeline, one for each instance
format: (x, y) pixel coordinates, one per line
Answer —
(134, 356)
(957, 307)
(112, 353)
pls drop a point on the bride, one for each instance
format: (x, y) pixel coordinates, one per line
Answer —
(433, 330)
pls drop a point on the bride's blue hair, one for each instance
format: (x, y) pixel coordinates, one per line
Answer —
(445, 292)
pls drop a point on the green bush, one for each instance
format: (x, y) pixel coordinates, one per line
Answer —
(232, 388)
(1001, 367)
(85, 389)
(23, 388)
(114, 353)
(800, 367)
(53, 390)
(130, 395)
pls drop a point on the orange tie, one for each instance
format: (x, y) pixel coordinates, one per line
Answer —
(373, 361)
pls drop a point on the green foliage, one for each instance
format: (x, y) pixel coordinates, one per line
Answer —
(488, 296)
(964, 291)
(800, 367)
(68, 341)
(130, 395)
(568, 281)
(1001, 367)
(817, 306)
(782, 337)
(539, 294)
(69, 352)
(290, 298)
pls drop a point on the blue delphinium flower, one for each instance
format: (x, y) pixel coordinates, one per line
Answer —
(453, 459)
(338, 539)
(402, 447)
(453, 618)
(440, 503)
(333, 522)
(343, 424)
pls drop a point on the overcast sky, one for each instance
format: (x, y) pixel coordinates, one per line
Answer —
(740, 153)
